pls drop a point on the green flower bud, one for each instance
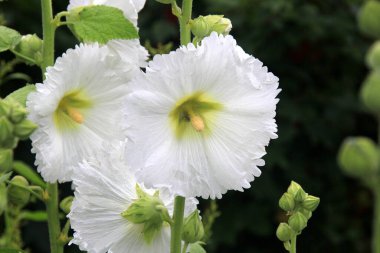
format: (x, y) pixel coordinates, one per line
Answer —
(373, 56)
(24, 129)
(287, 202)
(296, 191)
(370, 92)
(65, 204)
(17, 114)
(358, 157)
(6, 129)
(193, 230)
(6, 159)
(199, 27)
(31, 47)
(369, 19)
(3, 198)
(307, 213)
(165, 1)
(297, 222)
(16, 195)
(4, 108)
(205, 25)
(148, 210)
(284, 232)
(311, 203)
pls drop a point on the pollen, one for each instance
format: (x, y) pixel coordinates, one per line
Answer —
(197, 122)
(75, 115)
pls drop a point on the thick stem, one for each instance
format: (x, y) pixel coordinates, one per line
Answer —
(176, 228)
(376, 220)
(53, 219)
(293, 244)
(48, 35)
(187, 6)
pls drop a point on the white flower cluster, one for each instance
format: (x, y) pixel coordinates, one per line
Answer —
(195, 123)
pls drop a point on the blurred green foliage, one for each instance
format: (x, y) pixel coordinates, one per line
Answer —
(315, 48)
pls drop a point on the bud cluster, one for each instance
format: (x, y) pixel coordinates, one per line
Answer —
(13, 127)
(299, 207)
(30, 47)
(204, 25)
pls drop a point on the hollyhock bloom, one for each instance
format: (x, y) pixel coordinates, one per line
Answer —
(104, 189)
(130, 8)
(77, 108)
(200, 118)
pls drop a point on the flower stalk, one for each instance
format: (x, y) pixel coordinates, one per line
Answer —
(176, 228)
(52, 189)
(179, 202)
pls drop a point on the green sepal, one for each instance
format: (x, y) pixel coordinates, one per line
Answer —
(297, 222)
(9, 38)
(5, 177)
(197, 248)
(6, 129)
(286, 202)
(24, 129)
(100, 23)
(21, 94)
(311, 203)
(30, 46)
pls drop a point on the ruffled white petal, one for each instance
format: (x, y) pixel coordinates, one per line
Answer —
(202, 165)
(91, 69)
(104, 188)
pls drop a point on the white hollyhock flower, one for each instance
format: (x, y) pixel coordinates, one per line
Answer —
(200, 118)
(77, 108)
(130, 8)
(105, 188)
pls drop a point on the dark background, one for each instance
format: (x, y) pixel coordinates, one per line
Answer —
(316, 50)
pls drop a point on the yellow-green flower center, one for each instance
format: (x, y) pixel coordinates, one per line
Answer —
(71, 110)
(193, 113)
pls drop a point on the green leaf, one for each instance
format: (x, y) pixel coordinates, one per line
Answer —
(9, 38)
(197, 248)
(34, 216)
(21, 94)
(10, 251)
(101, 23)
(5, 177)
(26, 171)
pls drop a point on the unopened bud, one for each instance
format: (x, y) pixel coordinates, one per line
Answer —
(6, 129)
(287, 202)
(31, 47)
(148, 210)
(284, 232)
(369, 18)
(18, 113)
(205, 25)
(307, 213)
(311, 203)
(17, 195)
(358, 157)
(4, 108)
(24, 129)
(297, 221)
(296, 191)
(193, 230)
(373, 56)
(370, 92)
(6, 160)
(65, 204)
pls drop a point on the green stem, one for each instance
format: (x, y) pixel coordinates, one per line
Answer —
(293, 244)
(48, 35)
(23, 56)
(376, 220)
(52, 189)
(53, 218)
(184, 25)
(176, 228)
